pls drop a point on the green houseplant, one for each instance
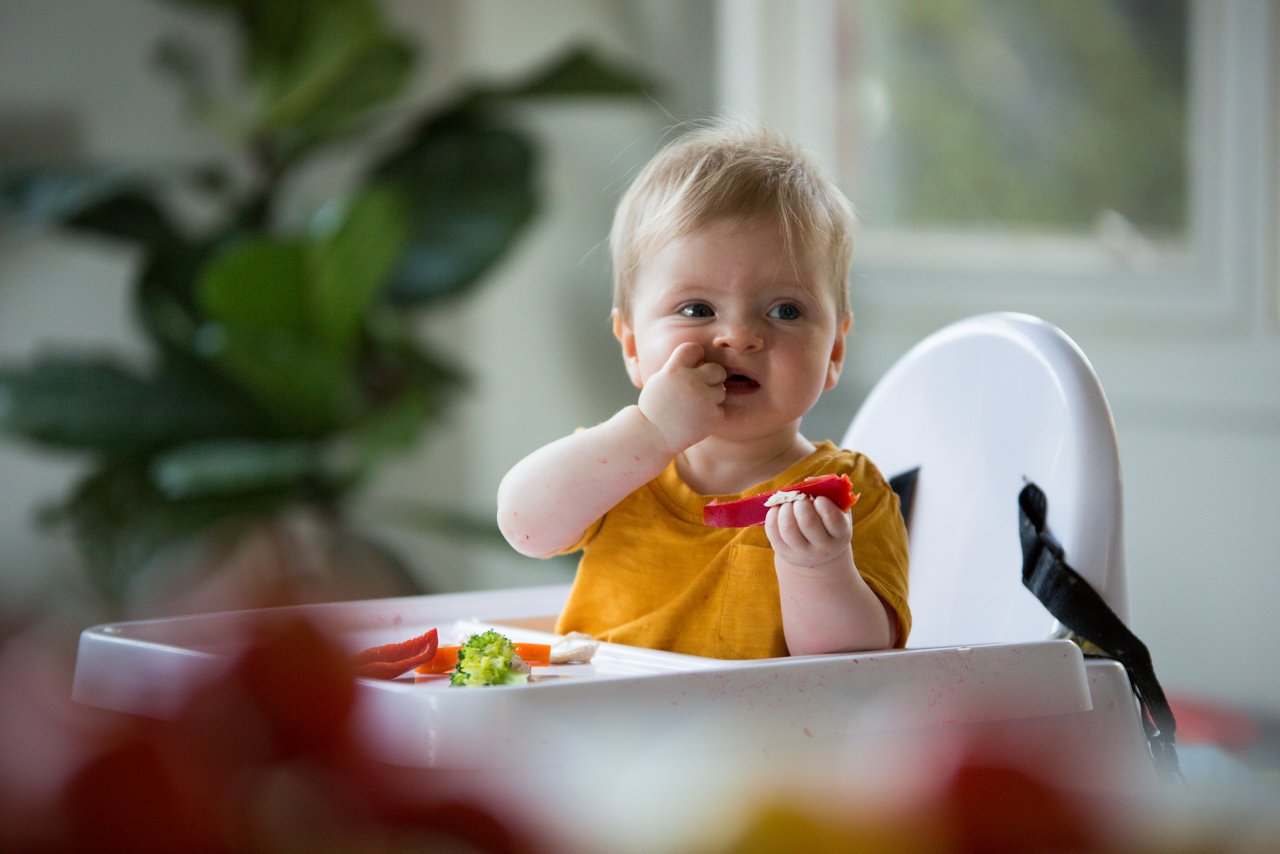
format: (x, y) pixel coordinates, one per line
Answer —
(284, 367)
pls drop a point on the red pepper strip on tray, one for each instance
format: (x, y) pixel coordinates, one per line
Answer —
(745, 512)
(391, 660)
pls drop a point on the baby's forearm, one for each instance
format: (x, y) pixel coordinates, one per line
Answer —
(550, 497)
(831, 609)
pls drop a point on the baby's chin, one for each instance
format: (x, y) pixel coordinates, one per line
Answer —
(744, 422)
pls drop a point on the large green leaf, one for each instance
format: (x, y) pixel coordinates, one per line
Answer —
(44, 196)
(321, 64)
(257, 297)
(130, 214)
(259, 285)
(373, 78)
(164, 300)
(316, 291)
(231, 467)
(272, 31)
(351, 266)
(289, 315)
(469, 176)
(470, 190)
(306, 388)
(95, 404)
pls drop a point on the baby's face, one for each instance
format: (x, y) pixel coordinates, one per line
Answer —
(732, 289)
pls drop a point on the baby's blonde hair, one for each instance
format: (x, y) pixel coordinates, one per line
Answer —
(733, 170)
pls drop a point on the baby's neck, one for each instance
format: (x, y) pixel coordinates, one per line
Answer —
(721, 467)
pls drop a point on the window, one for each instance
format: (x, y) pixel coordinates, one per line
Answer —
(1044, 154)
(1015, 117)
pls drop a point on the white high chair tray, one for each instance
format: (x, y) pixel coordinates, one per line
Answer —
(148, 667)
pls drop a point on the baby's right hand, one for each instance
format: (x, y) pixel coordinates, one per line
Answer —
(683, 400)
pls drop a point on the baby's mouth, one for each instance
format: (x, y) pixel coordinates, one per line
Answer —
(737, 383)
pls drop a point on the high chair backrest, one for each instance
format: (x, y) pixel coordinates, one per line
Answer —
(979, 406)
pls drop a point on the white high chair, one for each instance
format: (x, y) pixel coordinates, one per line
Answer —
(979, 406)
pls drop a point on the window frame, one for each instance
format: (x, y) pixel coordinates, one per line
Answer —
(777, 62)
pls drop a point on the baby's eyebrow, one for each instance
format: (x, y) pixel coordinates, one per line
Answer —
(810, 290)
(688, 290)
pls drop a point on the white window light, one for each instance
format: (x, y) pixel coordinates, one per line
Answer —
(780, 61)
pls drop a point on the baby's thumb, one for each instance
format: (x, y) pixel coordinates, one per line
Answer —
(687, 355)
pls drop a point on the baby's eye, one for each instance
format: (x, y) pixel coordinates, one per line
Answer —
(696, 309)
(785, 311)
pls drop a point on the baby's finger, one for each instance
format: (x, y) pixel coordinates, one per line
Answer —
(712, 373)
(785, 528)
(809, 523)
(838, 523)
(687, 355)
(771, 528)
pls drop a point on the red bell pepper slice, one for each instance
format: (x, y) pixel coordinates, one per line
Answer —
(745, 512)
(393, 659)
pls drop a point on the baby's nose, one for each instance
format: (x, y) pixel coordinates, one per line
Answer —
(739, 335)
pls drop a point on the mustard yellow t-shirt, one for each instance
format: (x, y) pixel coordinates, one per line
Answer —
(653, 575)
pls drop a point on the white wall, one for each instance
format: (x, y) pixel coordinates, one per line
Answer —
(1203, 538)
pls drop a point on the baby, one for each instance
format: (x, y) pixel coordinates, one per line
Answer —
(731, 253)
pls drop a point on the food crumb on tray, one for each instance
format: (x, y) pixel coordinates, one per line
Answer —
(574, 648)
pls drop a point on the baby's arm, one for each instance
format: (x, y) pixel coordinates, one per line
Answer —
(551, 496)
(826, 605)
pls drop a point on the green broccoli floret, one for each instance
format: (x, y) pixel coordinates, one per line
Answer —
(488, 659)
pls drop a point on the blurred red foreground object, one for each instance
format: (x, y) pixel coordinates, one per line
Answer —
(262, 758)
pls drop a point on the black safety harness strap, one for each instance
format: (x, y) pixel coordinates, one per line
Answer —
(1075, 604)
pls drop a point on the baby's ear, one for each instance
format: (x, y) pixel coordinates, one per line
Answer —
(836, 364)
(627, 338)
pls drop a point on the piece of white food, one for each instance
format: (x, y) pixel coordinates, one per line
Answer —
(574, 648)
(782, 496)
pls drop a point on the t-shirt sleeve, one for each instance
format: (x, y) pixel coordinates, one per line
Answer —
(880, 542)
(586, 537)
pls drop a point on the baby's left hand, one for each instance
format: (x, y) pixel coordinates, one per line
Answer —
(809, 533)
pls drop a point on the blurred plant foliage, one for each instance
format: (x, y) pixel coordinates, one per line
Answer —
(284, 366)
